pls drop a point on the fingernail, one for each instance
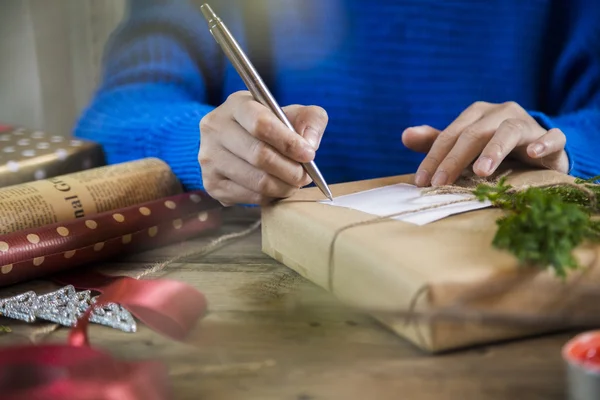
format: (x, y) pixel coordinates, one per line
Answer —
(421, 178)
(484, 164)
(439, 179)
(419, 129)
(312, 136)
(538, 149)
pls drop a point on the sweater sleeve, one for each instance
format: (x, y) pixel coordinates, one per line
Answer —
(574, 90)
(160, 76)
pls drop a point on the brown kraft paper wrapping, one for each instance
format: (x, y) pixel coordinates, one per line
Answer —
(85, 193)
(398, 266)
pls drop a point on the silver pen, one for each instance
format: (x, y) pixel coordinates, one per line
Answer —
(254, 83)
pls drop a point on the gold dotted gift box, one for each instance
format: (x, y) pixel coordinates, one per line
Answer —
(38, 252)
(28, 155)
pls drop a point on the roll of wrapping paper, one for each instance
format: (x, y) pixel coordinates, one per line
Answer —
(81, 194)
(38, 252)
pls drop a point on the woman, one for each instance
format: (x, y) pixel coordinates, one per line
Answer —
(399, 86)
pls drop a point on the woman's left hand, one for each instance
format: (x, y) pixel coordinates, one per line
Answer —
(489, 133)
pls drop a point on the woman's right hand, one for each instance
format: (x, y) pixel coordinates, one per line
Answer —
(248, 156)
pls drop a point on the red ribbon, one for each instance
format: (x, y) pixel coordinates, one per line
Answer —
(168, 307)
(78, 372)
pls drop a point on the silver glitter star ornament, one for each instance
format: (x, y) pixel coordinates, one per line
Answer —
(64, 307)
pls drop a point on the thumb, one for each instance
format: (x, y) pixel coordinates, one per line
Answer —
(309, 121)
(420, 138)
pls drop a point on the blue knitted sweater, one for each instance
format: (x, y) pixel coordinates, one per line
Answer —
(376, 67)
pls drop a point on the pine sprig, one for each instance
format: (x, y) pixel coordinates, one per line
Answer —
(544, 225)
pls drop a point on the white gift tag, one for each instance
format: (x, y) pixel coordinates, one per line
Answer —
(404, 197)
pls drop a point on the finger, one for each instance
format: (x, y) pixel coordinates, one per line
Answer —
(507, 137)
(224, 190)
(420, 138)
(445, 141)
(261, 155)
(549, 151)
(552, 142)
(239, 171)
(309, 121)
(472, 140)
(261, 123)
(228, 193)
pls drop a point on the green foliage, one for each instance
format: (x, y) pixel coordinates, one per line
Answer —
(544, 225)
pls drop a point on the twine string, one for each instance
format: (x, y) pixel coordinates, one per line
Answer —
(208, 248)
(458, 312)
(384, 218)
(464, 186)
(40, 333)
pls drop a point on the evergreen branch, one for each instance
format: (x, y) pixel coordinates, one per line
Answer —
(544, 225)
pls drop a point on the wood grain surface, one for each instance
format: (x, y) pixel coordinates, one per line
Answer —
(271, 334)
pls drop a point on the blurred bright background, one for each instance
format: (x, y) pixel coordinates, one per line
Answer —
(50, 52)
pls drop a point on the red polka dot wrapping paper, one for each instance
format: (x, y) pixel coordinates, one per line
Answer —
(38, 252)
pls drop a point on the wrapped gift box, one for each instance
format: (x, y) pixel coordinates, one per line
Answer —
(27, 155)
(399, 266)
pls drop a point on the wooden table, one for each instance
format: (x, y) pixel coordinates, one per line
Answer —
(270, 334)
